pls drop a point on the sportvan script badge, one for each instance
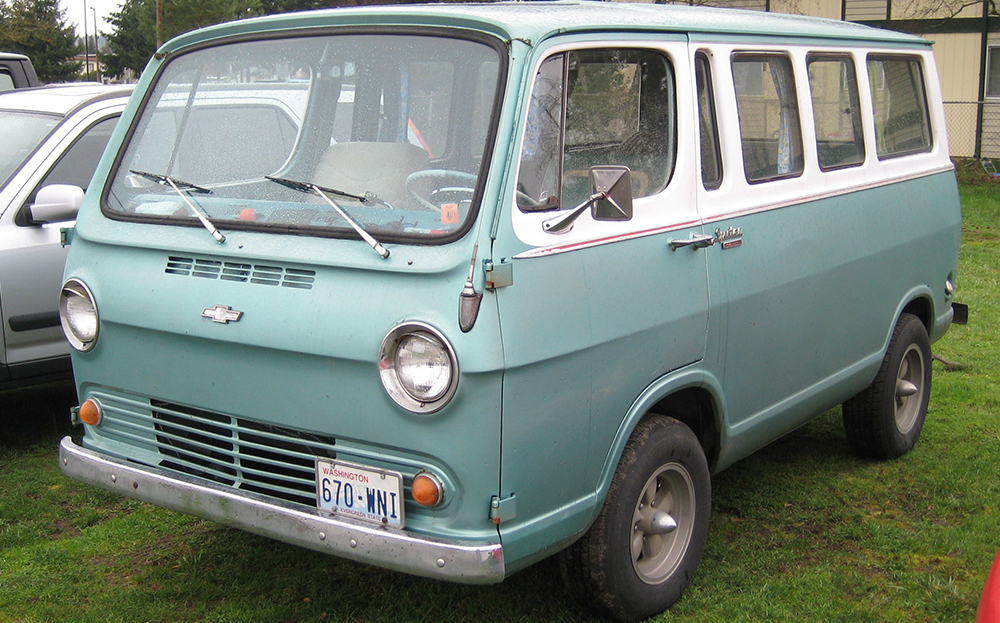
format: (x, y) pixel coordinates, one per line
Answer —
(222, 314)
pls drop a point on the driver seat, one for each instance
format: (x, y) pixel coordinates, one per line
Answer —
(380, 168)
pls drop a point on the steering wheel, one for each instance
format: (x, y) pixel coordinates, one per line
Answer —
(445, 176)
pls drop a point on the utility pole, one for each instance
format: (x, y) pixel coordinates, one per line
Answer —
(86, 42)
(97, 59)
(159, 18)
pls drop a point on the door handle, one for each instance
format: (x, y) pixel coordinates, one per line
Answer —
(697, 241)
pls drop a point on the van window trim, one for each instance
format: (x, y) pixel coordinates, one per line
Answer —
(491, 41)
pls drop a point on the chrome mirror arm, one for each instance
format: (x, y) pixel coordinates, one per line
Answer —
(564, 222)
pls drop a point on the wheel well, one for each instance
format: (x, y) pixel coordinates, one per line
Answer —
(921, 308)
(695, 408)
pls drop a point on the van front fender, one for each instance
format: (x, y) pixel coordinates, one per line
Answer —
(685, 378)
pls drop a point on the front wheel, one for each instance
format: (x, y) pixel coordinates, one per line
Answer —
(884, 421)
(641, 552)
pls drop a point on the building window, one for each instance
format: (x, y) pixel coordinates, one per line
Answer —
(866, 10)
(993, 72)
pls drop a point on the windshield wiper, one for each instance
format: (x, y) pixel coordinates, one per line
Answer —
(179, 187)
(325, 193)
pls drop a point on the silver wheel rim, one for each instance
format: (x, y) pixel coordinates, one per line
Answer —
(909, 396)
(662, 523)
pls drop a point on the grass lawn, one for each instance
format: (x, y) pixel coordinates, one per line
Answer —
(801, 531)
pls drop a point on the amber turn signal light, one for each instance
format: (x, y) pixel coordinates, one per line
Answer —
(427, 490)
(90, 412)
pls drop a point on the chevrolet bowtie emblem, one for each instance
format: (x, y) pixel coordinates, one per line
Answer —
(222, 314)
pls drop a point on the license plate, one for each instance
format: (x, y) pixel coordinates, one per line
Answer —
(358, 491)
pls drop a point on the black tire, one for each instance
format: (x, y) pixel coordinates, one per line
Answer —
(632, 562)
(884, 421)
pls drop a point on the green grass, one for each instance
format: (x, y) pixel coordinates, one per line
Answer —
(802, 530)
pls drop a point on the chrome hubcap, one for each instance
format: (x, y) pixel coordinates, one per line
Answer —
(662, 523)
(909, 381)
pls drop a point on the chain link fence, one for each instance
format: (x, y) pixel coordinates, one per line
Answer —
(963, 119)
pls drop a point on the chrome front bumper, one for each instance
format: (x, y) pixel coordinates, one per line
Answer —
(392, 549)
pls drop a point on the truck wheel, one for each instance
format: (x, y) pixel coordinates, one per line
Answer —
(884, 421)
(640, 554)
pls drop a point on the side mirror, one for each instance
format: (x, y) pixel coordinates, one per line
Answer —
(613, 184)
(610, 199)
(54, 204)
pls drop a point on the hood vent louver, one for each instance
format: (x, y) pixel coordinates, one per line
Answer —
(262, 274)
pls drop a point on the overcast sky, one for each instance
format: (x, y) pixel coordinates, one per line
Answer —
(74, 13)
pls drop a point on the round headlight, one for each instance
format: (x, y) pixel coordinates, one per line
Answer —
(78, 315)
(418, 367)
(423, 366)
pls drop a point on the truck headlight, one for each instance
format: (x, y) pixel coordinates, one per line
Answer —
(418, 367)
(78, 315)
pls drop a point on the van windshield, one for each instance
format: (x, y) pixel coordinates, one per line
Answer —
(396, 124)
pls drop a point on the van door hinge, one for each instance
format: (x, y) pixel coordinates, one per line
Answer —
(66, 236)
(498, 274)
(503, 509)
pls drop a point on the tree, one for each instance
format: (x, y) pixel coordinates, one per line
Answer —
(133, 38)
(270, 7)
(38, 29)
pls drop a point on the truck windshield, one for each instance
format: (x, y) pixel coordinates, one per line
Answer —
(20, 134)
(398, 122)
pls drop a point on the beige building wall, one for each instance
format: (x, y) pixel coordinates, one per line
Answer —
(814, 8)
(957, 59)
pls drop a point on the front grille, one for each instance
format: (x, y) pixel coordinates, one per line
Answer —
(262, 458)
(260, 274)
(271, 460)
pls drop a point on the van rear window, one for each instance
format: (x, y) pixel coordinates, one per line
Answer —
(899, 105)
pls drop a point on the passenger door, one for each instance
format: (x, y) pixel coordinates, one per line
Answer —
(595, 315)
(31, 257)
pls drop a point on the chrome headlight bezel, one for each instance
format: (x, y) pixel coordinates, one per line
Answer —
(76, 290)
(389, 373)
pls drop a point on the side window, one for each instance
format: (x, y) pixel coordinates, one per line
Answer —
(270, 142)
(833, 86)
(769, 116)
(540, 170)
(597, 107)
(77, 165)
(708, 127)
(899, 105)
(6, 80)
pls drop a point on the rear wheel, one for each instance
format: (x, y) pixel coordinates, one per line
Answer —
(885, 420)
(641, 553)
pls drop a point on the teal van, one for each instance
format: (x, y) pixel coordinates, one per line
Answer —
(451, 289)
